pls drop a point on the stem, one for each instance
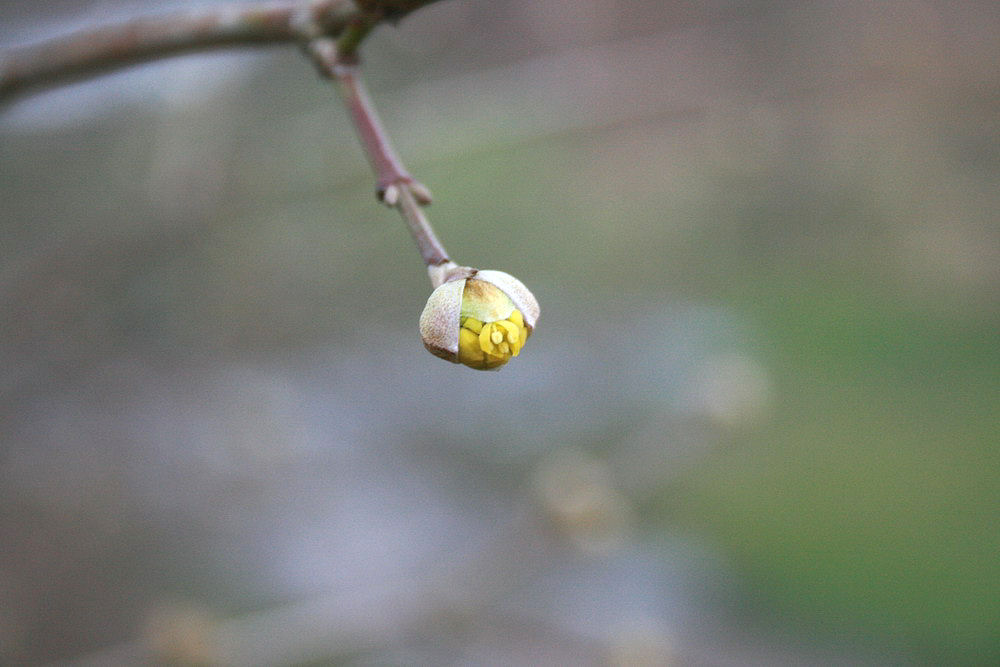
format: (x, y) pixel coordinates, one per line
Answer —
(395, 186)
(386, 164)
(351, 38)
(431, 250)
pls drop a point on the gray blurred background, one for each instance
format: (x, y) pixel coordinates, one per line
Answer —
(757, 423)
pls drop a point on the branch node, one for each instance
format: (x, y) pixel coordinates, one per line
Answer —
(389, 195)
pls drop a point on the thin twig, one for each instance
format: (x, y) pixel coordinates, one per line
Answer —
(395, 186)
(385, 163)
(431, 250)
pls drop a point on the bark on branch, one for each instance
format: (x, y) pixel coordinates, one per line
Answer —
(92, 51)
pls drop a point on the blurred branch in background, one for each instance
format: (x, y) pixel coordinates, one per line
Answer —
(459, 598)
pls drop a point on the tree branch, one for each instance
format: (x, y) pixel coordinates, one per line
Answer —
(311, 23)
(93, 51)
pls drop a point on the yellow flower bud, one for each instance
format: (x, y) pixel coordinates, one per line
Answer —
(478, 318)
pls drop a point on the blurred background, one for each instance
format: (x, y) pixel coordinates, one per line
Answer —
(757, 423)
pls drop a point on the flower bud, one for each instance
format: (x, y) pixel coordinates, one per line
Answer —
(478, 318)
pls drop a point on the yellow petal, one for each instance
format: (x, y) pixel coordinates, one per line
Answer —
(510, 330)
(515, 348)
(469, 352)
(484, 339)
